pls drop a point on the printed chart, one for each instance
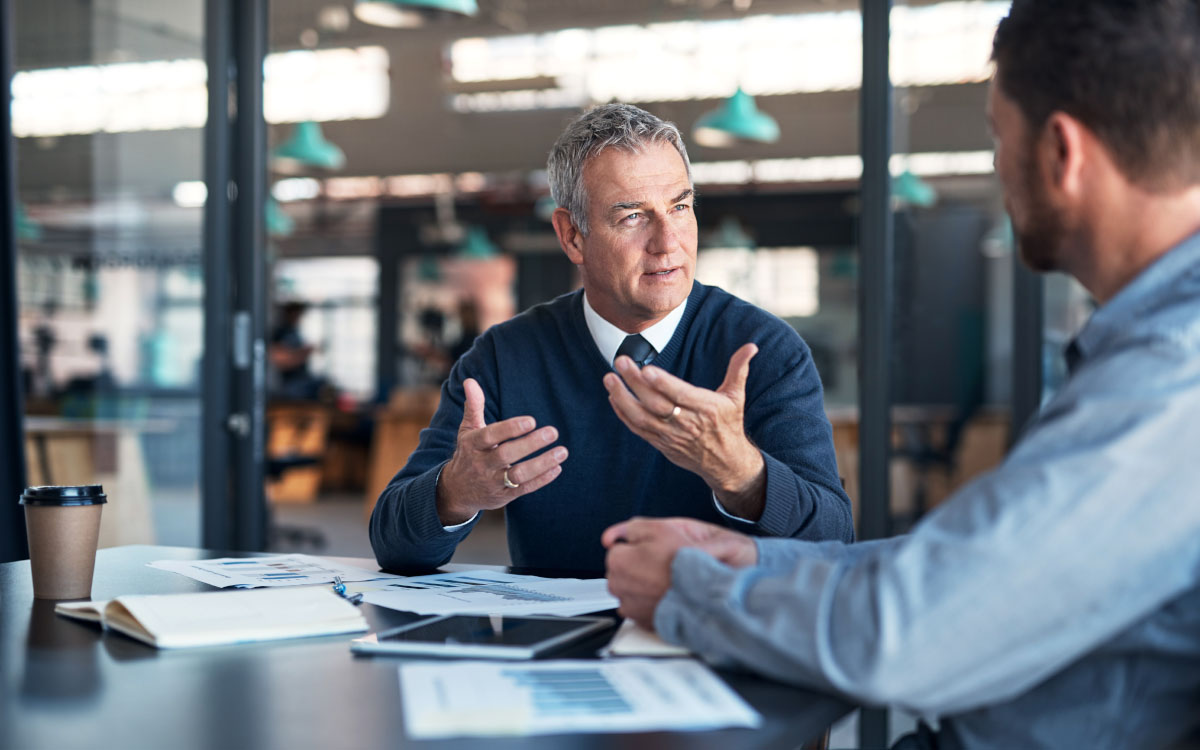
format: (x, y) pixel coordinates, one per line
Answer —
(254, 572)
(485, 698)
(492, 592)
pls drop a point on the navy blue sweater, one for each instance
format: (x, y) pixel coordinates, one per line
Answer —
(544, 363)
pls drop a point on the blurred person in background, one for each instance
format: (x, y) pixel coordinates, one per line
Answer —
(468, 329)
(704, 432)
(289, 356)
(1054, 602)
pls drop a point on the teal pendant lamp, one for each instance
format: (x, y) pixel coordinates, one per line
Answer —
(409, 14)
(279, 224)
(544, 208)
(910, 189)
(476, 245)
(27, 228)
(738, 119)
(728, 235)
(307, 148)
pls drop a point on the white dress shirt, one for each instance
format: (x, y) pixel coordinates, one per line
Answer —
(608, 337)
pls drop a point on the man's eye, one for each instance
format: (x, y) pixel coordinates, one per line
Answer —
(633, 216)
(683, 207)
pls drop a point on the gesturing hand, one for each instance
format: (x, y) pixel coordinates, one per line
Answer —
(697, 429)
(487, 455)
(641, 550)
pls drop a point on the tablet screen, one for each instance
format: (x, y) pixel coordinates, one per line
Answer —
(492, 630)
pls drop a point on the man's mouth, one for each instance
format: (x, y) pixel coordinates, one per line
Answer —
(663, 272)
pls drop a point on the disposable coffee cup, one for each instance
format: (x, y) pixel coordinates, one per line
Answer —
(63, 526)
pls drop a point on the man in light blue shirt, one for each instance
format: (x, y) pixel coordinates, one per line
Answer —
(1054, 602)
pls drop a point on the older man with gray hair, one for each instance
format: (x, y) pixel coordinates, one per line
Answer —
(700, 433)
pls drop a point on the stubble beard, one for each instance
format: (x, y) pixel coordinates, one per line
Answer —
(1041, 241)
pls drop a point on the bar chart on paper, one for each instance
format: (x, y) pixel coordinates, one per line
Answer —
(277, 570)
(487, 699)
(493, 592)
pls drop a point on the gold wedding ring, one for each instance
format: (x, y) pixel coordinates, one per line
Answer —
(674, 413)
(508, 482)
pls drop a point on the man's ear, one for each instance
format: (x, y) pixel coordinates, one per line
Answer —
(569, 236)
(1064, 150)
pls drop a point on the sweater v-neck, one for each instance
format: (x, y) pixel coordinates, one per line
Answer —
(667, 358)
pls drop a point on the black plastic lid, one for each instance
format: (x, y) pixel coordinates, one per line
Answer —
(77, 494)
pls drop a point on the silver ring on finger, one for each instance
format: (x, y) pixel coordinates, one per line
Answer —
(510, 484)
(674, 413)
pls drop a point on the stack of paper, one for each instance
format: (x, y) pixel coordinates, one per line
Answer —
(490, 592)
(486, 698)
(255, 572)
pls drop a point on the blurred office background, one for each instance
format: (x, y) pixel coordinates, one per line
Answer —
(405, 209)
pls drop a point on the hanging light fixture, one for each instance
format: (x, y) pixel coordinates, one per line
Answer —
(27, 228)
(476, 245)
(737, 119)
(408, 14)
(729, 235)
(278, 223)
(307, 148)
(911, 189)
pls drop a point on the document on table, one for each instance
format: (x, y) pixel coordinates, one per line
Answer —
(475, 698)
(633, 640)
(491, 592)
(279, 570)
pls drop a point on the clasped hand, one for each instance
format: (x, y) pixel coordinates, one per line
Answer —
(487, 454)
(641, 550)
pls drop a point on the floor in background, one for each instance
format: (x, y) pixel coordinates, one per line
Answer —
(337, 522)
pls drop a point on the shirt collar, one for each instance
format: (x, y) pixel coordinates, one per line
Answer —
(608, 337)
(1130, 302)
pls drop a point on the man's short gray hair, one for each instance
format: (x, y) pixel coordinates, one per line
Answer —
(621, 126)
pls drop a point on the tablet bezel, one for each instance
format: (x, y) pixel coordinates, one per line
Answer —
(586, 626)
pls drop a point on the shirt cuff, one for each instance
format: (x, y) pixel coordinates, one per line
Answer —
(457, 526)
(697, 580)
(463, 525)
(727, 514)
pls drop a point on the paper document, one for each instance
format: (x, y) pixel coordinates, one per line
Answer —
(279, 570)
(634, 640)
(488, 592)
(478, 698)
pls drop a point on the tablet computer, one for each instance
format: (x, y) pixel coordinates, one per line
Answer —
(482, 636)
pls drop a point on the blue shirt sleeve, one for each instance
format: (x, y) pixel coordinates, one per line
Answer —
(1090, 526)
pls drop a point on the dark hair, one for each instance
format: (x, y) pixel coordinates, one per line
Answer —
(1129, 70)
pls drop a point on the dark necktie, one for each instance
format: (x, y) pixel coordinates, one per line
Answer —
(636, 348)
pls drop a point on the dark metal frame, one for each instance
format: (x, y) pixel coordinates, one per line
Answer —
(12, 439)
(876, 284)
(876, 274)
(234, 435)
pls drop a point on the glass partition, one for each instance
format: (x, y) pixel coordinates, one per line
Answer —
(952, 351)
(108, 110)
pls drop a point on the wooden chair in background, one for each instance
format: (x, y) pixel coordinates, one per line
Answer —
(397, 431)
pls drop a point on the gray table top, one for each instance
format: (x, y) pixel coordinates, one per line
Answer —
(65, 684)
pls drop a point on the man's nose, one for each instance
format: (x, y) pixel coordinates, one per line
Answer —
(667, 238)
